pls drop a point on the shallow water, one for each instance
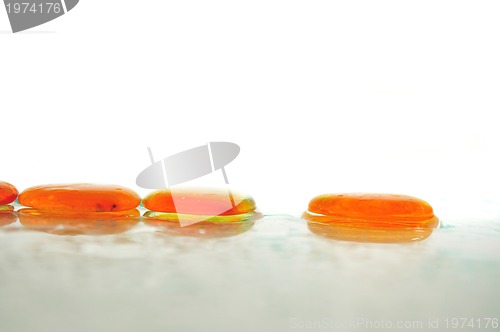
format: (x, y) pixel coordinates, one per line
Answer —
(274, 276)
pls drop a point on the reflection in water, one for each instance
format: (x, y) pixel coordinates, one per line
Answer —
(211, 227)
(376, 232)
(79, 223)
(7, 217)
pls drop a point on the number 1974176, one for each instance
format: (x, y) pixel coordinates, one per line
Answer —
(33, 8)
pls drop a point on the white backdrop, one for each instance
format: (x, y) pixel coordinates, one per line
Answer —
(322, 96)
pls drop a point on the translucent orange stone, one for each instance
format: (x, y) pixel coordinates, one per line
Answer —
(80, 197)
(371, 209)
(8, 193)
(6, 208)
(79, 223)
(200, 202)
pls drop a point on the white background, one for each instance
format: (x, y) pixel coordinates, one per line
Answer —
(322, 96)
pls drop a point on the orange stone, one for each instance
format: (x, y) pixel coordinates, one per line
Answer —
(79, 223)
(80, 197)
(8, 193)
(371, 209)
(6, 208)
(199, 202)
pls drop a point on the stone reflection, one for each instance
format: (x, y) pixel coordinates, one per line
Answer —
(79, 223)
(7, 217)
(211, 227)
(356, 232)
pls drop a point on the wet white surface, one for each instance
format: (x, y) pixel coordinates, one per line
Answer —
(277, 276)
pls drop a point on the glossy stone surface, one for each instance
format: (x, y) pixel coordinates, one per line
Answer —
(199, 202)
(80, 197)
(8, 193)
(379, 218)
(370, 209)
(79, 223)
(6, 208)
